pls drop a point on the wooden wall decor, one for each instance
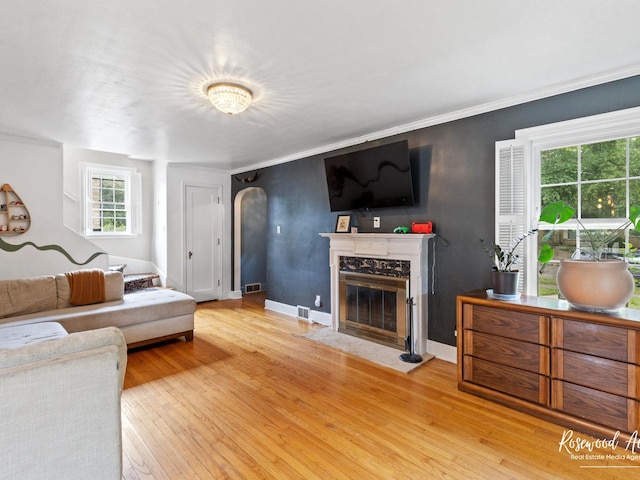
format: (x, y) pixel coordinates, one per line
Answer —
(14, 215)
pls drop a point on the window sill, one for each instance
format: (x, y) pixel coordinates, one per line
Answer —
(111, 236)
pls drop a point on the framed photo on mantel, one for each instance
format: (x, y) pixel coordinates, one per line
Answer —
(343, 224)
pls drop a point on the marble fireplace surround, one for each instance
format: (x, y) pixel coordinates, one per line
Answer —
(413, 248)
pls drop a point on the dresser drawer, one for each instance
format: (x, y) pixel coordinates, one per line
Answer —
(507, 323)
(610, 376)
(506, 351)
(604, 341)
(612, 411)
(512, 381)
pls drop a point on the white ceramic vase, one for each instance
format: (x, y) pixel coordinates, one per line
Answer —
(603, 286)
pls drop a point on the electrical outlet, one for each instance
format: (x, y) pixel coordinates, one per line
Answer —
(376, 222)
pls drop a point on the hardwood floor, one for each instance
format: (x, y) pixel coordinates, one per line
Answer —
(250, 398)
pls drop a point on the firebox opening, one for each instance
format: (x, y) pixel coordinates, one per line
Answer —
(374, 307)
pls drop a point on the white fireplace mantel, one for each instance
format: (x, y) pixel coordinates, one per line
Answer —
(393, 246)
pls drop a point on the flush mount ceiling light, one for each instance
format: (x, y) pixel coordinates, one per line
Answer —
(229, 97)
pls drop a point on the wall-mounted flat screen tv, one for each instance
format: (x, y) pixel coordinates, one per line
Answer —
(377, 177)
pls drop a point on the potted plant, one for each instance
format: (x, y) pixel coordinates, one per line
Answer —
(504, 275)
(589, 280)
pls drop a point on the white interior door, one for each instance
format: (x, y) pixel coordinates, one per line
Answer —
(203, 228)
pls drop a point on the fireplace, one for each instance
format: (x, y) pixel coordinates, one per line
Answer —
(374, 307)
(402, 260)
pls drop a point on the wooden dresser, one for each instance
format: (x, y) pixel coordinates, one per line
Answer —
(540, 356)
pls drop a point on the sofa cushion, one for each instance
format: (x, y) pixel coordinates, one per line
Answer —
(29, 295)
(113, 288)
(20, 335)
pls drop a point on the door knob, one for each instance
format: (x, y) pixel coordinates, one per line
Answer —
(190, 255)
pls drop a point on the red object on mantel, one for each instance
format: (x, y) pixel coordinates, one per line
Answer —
(422, 227)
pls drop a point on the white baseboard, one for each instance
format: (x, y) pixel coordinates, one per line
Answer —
(439, 350)
(442, 351)
(320, 317)
(314, 316)
(233, 295)
(281, 308)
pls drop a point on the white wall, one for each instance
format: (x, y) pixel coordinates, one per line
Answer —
(33, 168)
(159, 243)
(136, 251)
(37, 172)
(179, 176)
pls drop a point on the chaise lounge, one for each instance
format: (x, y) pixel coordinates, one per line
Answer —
(146, 316)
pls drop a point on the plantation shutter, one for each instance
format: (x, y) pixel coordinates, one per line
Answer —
(512, 169)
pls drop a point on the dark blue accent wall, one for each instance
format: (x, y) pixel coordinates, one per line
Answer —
(253, 263)
(454, 166)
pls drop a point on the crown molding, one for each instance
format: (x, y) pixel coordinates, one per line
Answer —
(32, 141)
(567, 87)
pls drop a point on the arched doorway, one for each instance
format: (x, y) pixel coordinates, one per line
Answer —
(250, 240)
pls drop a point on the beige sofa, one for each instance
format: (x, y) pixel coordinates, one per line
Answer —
(60, 411)
(144, 316)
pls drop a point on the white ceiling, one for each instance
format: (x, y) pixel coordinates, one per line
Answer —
(127, 76)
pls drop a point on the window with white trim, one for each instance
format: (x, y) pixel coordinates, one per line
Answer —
(592, 163)
(111, 195)
(601, 180)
